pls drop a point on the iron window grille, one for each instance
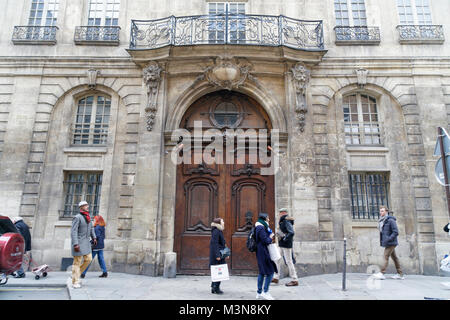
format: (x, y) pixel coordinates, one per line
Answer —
(368, 192)
(92, 121)
(82, 186)
(361, 124)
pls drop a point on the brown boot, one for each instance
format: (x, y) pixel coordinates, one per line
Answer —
(292, 284)
(274, 281)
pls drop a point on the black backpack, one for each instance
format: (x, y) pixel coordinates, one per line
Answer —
(251, 240)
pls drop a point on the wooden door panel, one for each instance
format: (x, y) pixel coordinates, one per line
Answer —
(195, 253)
(242, 261)
(197, 206)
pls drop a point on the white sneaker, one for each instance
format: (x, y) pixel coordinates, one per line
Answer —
(258, 296)
(76, 285)
(398, 277)
(447, 284)
(267, 296)
(379, 276)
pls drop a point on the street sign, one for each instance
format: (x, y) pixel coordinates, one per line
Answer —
(439, 170)
(446, 141)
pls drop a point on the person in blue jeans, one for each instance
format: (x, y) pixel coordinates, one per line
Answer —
(266, 266)
(97, 250)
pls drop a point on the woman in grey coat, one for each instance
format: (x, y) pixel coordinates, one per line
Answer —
(81, 233)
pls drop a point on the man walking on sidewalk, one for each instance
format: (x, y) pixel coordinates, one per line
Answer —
(286, 238)
(388, 239)
(81, 231)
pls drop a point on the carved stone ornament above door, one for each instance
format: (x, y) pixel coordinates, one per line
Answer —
(228, 73)
(152, 79)
(300, 76)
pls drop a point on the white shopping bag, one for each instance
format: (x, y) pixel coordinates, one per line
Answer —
(445, 264)
(219, 272)
(274, 252)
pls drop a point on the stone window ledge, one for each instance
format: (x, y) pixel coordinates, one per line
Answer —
(364, 224)
(85, 150)
(361, 148)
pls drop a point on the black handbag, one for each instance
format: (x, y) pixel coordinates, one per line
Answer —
(225, 252)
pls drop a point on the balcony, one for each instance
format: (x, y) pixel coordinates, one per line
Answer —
(421, 34)
(258, 30)
(45, 35)
(359, 35)
(97, 35)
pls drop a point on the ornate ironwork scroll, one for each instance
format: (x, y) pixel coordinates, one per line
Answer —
(357, 35)
(300, 76)
(421, 33)
(152, 79)
(97, 34)
(34, 34)
(261, 30)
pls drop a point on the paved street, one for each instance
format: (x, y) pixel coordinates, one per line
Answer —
(120, 286)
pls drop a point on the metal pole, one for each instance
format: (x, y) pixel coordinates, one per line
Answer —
(444, 166)
(344, 262)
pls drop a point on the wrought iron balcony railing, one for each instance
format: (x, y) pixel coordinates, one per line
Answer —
(258, 30)
(100, 35)
(34, 35)
(417, 34)
(359, 35)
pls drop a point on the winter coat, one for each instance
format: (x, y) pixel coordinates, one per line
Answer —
(389, 232)
(80, 233)
(265, 265)
(100, 234)
(286, 226)
(216, 244)
(25, 232)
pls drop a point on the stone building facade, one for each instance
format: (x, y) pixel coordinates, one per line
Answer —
(92, 92)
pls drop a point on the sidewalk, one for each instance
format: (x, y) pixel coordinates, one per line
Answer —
(121, 286)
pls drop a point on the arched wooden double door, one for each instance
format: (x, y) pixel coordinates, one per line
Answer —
(236, 192)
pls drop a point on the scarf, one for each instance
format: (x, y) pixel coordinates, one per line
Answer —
(381, 222)
(266, 226)
(86, 215)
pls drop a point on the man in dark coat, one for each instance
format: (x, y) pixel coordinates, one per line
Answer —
(266, 266)
(216, 244)
(286, 239)
(24, 230)
(388, 239)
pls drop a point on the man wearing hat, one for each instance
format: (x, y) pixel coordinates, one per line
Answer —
(81, 231)
(285, 238)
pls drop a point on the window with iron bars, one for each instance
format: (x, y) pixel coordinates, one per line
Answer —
(82, 186)
(92, 121)
(368, 191)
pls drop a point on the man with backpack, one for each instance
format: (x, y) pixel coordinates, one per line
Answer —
(285, 239)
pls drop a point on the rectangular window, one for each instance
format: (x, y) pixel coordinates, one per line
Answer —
(368, 192)
(361, 124)
(236, 25)
(82, 186)
(103, 12)
(350, 13)
(92, 121)
(43, 13)
(414, 12)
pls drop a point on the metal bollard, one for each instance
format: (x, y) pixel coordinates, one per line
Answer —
(344, 265)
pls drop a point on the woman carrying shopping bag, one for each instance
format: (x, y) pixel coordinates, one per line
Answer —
(216, 244)
(97, 250)
(266, 266)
